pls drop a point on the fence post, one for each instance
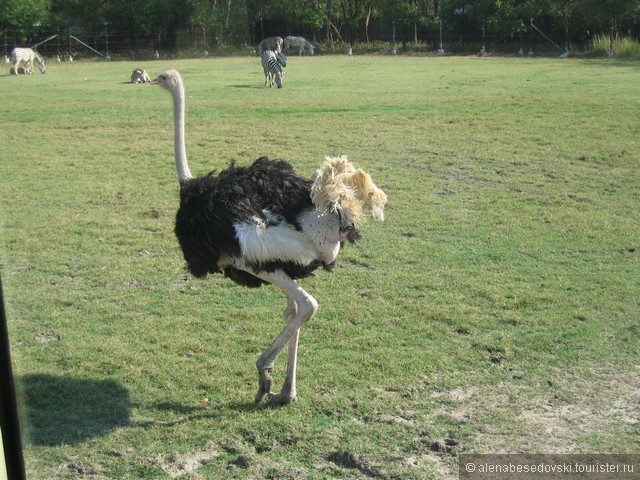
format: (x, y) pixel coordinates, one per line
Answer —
(5, 60)
(204, 41)
(106, 39)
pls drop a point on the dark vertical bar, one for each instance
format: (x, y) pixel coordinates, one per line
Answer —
(14, 459)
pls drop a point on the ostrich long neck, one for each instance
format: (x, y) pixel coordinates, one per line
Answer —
(182, 166)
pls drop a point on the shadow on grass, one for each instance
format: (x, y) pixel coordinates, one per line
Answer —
(189, 413)
(256, 86)
(212, 410)
(62, 410)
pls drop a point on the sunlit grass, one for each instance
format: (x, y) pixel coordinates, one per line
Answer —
(496, 304)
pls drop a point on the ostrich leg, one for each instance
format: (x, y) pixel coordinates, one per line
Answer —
(288, 393)
(296, 317)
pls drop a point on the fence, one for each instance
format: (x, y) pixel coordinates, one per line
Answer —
(110, 43)
(186, 41)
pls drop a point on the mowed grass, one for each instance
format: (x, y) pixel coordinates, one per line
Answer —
(495, 310)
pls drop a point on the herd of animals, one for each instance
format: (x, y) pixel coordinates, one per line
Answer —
(263, 223)
(272, 51)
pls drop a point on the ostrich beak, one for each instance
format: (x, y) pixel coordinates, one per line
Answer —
(158, 81)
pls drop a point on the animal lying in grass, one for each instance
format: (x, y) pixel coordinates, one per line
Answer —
(140, 76)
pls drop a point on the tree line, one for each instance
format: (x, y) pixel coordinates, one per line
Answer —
(242, 22)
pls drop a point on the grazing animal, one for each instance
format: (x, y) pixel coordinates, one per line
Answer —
(26, 55)
(140, 76)
(299, 42)
(270, 43)
(272, 68)
(282, 61)
(265, 224)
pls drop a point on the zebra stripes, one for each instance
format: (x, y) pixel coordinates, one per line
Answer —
(274, 60)
(272, 69)
(282, 61)
(26, 55)
(271, 43)
(299, 42)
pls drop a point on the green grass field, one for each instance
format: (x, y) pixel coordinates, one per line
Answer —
(495, 310)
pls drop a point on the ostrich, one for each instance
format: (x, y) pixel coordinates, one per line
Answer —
(264, 224)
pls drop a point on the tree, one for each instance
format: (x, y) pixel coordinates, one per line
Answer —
(21, 16)
(599, 14)
(237, 21)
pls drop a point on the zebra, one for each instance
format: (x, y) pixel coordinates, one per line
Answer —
(140, 76)
(272, 69)
(282, 61)
(299, 42)
(26, 55)
(271, 43)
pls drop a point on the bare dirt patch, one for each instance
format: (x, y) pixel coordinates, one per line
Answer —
(572, 413)
(177, 466)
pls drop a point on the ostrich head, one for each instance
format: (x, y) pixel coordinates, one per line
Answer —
(169, 80)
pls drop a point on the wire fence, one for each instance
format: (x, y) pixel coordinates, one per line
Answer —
(113, 44)
(188, 41)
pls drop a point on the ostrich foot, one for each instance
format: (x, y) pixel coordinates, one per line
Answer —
(264, 384)
(283, 398)
(287, 394)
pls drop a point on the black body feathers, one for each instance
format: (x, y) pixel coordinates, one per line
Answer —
(211, 205)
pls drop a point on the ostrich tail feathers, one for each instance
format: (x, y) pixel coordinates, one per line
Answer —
(341, 188)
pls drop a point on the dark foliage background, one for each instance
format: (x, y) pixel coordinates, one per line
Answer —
(178, 27)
